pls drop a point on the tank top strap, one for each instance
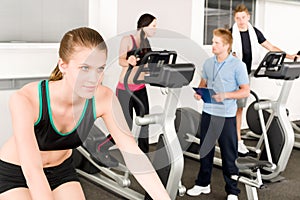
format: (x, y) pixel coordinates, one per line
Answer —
(133, 42)
(44, 99)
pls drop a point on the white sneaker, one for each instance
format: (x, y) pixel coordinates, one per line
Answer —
(232, 197)
(242, 147)
(197, 190)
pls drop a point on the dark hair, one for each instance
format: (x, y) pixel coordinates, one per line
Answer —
(144, 21)
(79, 37)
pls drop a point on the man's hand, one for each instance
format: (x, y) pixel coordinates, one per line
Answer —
(219, 97)
(197, 96)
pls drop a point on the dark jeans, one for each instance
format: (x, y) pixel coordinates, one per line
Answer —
(128, 103)
(223, 130)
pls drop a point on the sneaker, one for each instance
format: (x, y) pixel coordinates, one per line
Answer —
(197, 190)
(232, 197)
(242, 149)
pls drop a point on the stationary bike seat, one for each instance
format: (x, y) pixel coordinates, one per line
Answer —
(251, 163)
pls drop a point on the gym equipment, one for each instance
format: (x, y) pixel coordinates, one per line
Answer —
(160, 71)
(251, 184)
(277, 138)
(296, 127)
(255, 127)
(296, 124)
(168, 160)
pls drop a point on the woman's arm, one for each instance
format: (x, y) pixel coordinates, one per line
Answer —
(123, 51)
(23, 118)
(136, 161)
(125, 46)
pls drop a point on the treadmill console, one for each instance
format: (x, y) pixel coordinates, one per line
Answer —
(158, 68)
(272, 66)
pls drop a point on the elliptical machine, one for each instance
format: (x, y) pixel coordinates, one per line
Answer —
(277, 139)
(296, 124)
(160, 71)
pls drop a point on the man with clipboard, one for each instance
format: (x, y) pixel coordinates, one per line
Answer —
(226, 80)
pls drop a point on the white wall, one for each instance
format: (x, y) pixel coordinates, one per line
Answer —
(27, 60)
(281, 25)
(40, 20)
(111, 18)
(171, 15)
(279, 21)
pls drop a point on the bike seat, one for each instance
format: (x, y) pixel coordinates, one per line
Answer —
(251, 163)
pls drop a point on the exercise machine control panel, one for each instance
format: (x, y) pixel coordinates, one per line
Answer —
(274, 67)
(158, 68)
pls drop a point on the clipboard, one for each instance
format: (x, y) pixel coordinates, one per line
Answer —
(206, 95)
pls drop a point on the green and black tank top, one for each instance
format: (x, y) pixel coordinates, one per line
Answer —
(48, 137)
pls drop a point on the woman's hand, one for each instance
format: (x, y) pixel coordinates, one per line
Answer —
(132, 60)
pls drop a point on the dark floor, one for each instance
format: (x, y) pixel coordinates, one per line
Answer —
(288, 189)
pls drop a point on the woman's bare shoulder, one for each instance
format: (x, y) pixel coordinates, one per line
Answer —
(104, 94)
(30, 88)
(126, 41)
(104, 91)
(103, 98)
(25, 101)
(126, 38)
(28, 91)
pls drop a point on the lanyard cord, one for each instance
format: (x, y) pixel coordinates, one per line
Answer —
(219, 69)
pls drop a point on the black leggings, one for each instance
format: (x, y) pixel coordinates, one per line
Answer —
(128, 103)
(11, 175)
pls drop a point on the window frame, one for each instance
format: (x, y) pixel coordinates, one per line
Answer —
(207, 34)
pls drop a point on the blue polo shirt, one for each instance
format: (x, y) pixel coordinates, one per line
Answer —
(226, 76)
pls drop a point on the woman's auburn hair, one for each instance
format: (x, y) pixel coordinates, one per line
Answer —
(79, 37)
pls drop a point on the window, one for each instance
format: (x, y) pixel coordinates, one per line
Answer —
(219, 14)
(40, 21)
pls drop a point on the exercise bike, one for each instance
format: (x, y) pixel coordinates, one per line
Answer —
(253, 182)
(277, 139)
(296, 124)
(159, 71)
